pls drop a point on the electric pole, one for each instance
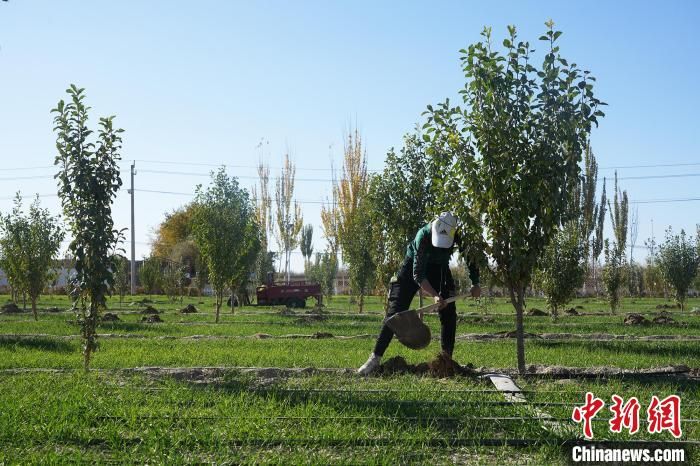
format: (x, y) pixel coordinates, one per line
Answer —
(133, 235)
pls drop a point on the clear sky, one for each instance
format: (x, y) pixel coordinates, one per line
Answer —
(203, 82)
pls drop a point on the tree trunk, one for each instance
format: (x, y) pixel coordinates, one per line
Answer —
(362, 301)
(36, 316)
(555, 313)
(420, 298)
(219, 299)
(516, 298)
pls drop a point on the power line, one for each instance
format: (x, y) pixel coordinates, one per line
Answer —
(166, 172)
(176, 193)
(652, 166)
(659, 201)
(208, 164)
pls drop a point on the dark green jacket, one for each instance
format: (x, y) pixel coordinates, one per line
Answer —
(422, 251)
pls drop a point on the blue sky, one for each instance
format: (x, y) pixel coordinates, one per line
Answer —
(204, 82)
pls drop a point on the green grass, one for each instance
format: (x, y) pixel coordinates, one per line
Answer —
(110, 416)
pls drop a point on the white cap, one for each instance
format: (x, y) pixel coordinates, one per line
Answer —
(443, 230)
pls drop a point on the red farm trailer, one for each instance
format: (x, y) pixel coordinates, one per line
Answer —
(292, 294)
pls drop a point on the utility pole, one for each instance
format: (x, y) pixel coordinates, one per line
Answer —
(133, 234)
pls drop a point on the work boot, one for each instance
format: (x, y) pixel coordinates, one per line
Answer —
(370, 366)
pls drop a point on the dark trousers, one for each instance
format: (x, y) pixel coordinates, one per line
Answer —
(401, 294)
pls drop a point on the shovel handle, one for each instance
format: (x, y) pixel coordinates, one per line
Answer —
(435, 306)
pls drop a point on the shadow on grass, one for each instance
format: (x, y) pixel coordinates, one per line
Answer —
(445, 423)
(135, 327)
(37, 343)
(680, 350)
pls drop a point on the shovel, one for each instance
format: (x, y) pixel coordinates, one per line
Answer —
(409, 328)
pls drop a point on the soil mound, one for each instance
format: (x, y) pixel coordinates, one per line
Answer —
(150, 310)
(286, 311)
(110, 317)
(322, 335)
(189, 309)
(664, 318)
(141, 302)
(152, 319)
(396, 365)
(262, 336)
(534, 312)
(310, 319)
(668, 306)
(485, 320)
(53, 309)
(572, 312)
(442, 366)
(635, 319)
(11, 308)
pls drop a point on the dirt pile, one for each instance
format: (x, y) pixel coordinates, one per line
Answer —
(664, 318)
(668, 306)
(318, 335)
(11, 308)
(635, 319)
(534, 312)
(152, 319)
(189, 309)
(262, 336)
(150, 310)
(287, 311)
(141, 302)
(572, 312)
(310, 319)
(110, 317)
(444, 366)
(440, 367)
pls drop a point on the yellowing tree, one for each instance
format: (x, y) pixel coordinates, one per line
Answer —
(288, 216)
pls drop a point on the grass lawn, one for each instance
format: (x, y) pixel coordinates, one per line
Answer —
(114, 415)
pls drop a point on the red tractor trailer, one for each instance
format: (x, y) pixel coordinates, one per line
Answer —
(292, 294)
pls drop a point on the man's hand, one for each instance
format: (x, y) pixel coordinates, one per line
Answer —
(476, 291)
(438, 300)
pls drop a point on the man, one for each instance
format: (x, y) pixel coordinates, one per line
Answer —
(426, 267)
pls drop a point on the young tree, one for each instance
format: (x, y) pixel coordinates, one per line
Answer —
(30, 244)
(511, 153)
(615, 270)
(263, 212)
(151, 274)
(222, 230)
(350, 218)
(634, 273)
(174, 280)
(678, 260)
(598, 241)
(329, 224)
(122, 282)
(288, 217)
(562, 267)
(88, 179)
(401, 200)
(307, 249)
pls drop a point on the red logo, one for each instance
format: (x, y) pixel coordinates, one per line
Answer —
(626, 416)
(661, 415)
(587, 412)
(665, 415)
